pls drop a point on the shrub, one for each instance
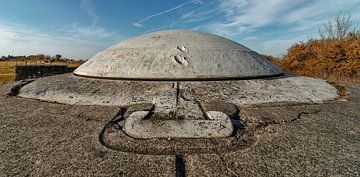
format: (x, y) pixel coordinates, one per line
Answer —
(335, 56)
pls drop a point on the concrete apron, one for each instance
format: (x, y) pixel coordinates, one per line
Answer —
(219, 125)
(203, 109)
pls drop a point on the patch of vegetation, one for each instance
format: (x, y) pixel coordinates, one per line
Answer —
(7, 78)
(336, 56)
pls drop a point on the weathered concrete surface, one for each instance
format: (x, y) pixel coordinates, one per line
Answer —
(322, 140)
(178, 55)
(137, 126)
(39, 138)
(44, 139)
(70, 89)
(168, 96)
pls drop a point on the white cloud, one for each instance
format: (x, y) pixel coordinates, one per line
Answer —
(140, 22)
(246, 16)
(74, 40)
(312, 16)
(75, 30)
(15, 41)
(206, 11)
(139, 25)
(188, 15)
(89, 7)
(277, 24)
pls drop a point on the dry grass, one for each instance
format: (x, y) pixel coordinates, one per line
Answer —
(327, 59)
(7, 68)
(7, 78)
(7, 71)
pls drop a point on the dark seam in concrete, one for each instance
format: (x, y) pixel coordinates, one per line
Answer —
(112, 123)
(16, 89)
(151, 113)
(177, 93)
(238, 125)
(228, 78)
(235, 119)
(183, 97)
(180, 166)
(299, 116)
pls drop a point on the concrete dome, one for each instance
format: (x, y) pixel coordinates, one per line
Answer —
(178, 55)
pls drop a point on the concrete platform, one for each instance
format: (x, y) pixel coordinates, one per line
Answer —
(218, 126)
(70, 89)
(40, 138)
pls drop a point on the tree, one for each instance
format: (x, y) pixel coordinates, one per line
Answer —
(338, 29)
(58, 56)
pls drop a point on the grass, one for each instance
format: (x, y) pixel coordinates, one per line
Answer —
(7, 78)
(7, 68)
(7, 71)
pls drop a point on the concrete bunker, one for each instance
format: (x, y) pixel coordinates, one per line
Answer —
(178, 55)
(182, 85)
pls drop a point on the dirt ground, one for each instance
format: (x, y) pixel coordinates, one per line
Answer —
(39, 138)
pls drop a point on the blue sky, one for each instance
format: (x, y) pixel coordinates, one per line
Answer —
(81, 28)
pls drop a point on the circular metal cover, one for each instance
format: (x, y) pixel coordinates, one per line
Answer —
(178, 55)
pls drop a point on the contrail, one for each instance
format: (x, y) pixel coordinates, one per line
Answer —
(139, 23)
(41, 36)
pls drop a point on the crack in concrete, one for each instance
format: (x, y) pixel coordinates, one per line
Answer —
(113, 123)
(177, 93)
(180, 164)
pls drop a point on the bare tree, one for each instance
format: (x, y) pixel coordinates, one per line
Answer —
(338, 29)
